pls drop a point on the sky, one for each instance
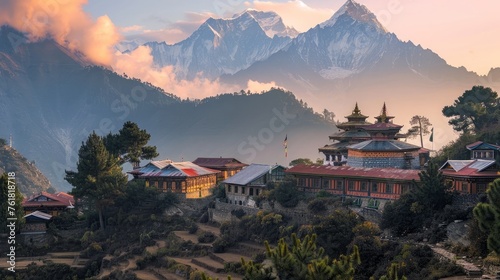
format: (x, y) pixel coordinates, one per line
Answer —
(463, 32)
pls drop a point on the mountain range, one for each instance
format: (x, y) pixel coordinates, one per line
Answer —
(51, 99)
(349, 57)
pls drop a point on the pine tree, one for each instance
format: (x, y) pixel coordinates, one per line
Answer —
(130, 144)
(488, 216)
(302, 259)
(99, 178)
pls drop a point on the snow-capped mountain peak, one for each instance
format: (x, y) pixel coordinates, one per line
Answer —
(270, 22)
(356, 11)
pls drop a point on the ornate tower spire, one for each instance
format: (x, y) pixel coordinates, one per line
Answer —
(356, 110)
(384, 117)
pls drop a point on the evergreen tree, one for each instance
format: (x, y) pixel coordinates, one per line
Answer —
(99, 178)
(475, 110)
(302, 259)
(130, 144)
(420, 127)
(488, 216)
(8, 210)
(432, 193)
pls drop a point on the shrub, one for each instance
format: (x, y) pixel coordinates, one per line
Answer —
(193, 228)
(206, 237)
(238, 213)
(317, 206)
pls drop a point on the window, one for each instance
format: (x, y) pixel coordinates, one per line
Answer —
(405, 188)
(316, 183)
(465, 187)
(481, 188)
(251, 191)
(235, 189)
(374, 187)
(389, 188)
(364, 186)
(350, 185)
(243, 190)
(339, 185)
(326, 183)
(302, 182)
(228, 188)
(372, 203)
(357, 202)
(256, 191)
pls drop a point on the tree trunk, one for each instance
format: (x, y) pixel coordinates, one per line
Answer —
(101, 220)
(421, 136)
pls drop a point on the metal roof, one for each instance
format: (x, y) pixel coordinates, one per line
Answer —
(175, 169)
(480, 145)
(161, 163)
(219, 162)
(348, 171)
(473, 167)
(39, 215)
(250, 173)
(383, 145)
(57, 199)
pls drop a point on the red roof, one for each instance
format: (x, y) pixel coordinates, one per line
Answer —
(348, 171)
(47, 199)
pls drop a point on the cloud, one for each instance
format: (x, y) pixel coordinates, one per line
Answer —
(132, 28)
(139, 64)
(173, 32)
(294, 13)
(255, 86)
(64, 21)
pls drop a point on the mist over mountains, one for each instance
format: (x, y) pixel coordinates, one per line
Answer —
(350, 57)
(51, 100)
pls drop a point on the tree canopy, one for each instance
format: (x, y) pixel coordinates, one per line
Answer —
(474, 111)
(420, 127)
(488, 216)
(298, 161)
(408, 213)
(302, 259)
(130, 144)
(99, 178)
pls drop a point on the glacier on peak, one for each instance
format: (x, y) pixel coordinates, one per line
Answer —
(356, 11)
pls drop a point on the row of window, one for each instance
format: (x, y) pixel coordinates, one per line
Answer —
(483, 154)
(351, 185)
(242, 190)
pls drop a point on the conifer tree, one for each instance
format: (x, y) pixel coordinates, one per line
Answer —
(488, 216)
(99, 178)
(302, 259)
(130, 144)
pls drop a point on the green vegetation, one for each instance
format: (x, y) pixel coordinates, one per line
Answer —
(302, 259)
(130, 144)
(416, 209)
(298, 161)
(286, 193)
(99, 179)
(420, 127)
(477, 110)
(488, 216)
